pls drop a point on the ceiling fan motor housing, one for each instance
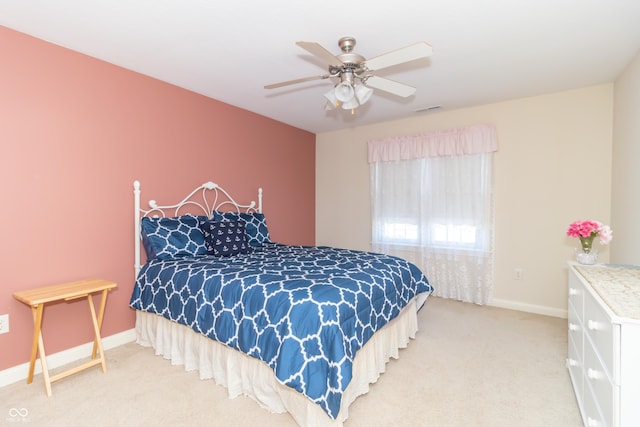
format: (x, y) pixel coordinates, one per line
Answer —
(347, 44)
(351, 62)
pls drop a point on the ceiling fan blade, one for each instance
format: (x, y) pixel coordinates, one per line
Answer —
(300, 80)
(320, 52)
(393, 87)
(399, 56)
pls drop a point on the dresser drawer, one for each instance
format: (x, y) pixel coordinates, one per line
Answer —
(576, 294)
(575, 328)
(598, 382)
(602, 333)
(574, 365)
(592, 416)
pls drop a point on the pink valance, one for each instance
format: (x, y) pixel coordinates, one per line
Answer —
(454, 142)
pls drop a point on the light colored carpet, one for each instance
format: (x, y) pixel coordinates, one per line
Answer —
(468, 366)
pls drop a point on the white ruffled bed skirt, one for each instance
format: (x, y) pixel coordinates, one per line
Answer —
(244, 375)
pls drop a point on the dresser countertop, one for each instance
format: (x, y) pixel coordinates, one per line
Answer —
(617, 285)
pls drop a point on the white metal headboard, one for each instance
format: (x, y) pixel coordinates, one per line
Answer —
(204, 200)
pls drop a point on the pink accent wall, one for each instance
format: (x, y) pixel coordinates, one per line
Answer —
(75, 132)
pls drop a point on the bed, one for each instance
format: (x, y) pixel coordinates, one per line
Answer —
(299, 329)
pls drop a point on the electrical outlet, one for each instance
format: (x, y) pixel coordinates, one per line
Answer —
(518, 273)
(4, 323)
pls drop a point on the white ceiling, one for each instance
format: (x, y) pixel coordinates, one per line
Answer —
(483, 50)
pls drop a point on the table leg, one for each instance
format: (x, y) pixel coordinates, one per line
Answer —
(38, 347)
(97, 342)
(103, 303)
(37, 320)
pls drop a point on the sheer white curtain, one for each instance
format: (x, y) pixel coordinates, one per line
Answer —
(433, 204)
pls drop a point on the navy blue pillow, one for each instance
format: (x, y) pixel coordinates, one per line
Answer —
(167, 238)
(256, 225)
(225, 238)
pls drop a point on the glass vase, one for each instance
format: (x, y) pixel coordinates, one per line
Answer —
(586, 254)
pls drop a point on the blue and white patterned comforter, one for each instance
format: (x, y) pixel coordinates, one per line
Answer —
(304, 311)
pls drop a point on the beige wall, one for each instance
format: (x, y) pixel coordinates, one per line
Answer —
(625, 190)
(553, 167)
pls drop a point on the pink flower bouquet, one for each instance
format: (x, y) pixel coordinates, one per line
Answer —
(589, 229)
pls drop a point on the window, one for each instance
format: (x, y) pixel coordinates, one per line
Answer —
(400, 232)
(449, 235)
(437, 211)
(454, 235)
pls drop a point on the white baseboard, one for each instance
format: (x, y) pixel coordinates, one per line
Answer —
(529, 308)
(20, 372)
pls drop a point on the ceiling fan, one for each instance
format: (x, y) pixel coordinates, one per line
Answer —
(356, 75)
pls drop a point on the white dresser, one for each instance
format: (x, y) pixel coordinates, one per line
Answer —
(604, 343)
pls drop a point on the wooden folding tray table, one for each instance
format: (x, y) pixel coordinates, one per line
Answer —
(37, 298)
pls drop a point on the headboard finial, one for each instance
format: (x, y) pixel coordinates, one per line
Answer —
(210, 185)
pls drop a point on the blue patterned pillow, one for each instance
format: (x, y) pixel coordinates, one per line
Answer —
(225, 238)
(256, 225)
(167, 238)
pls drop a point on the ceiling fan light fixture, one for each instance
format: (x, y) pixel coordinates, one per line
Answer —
(350, 104)
(344, 91)
(330, 106)
(363, 93)
(331, 97)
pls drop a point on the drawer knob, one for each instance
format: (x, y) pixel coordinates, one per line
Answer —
(573, 327)
(593, 325)
(573, 291)
(594, 374)
(571, 362)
